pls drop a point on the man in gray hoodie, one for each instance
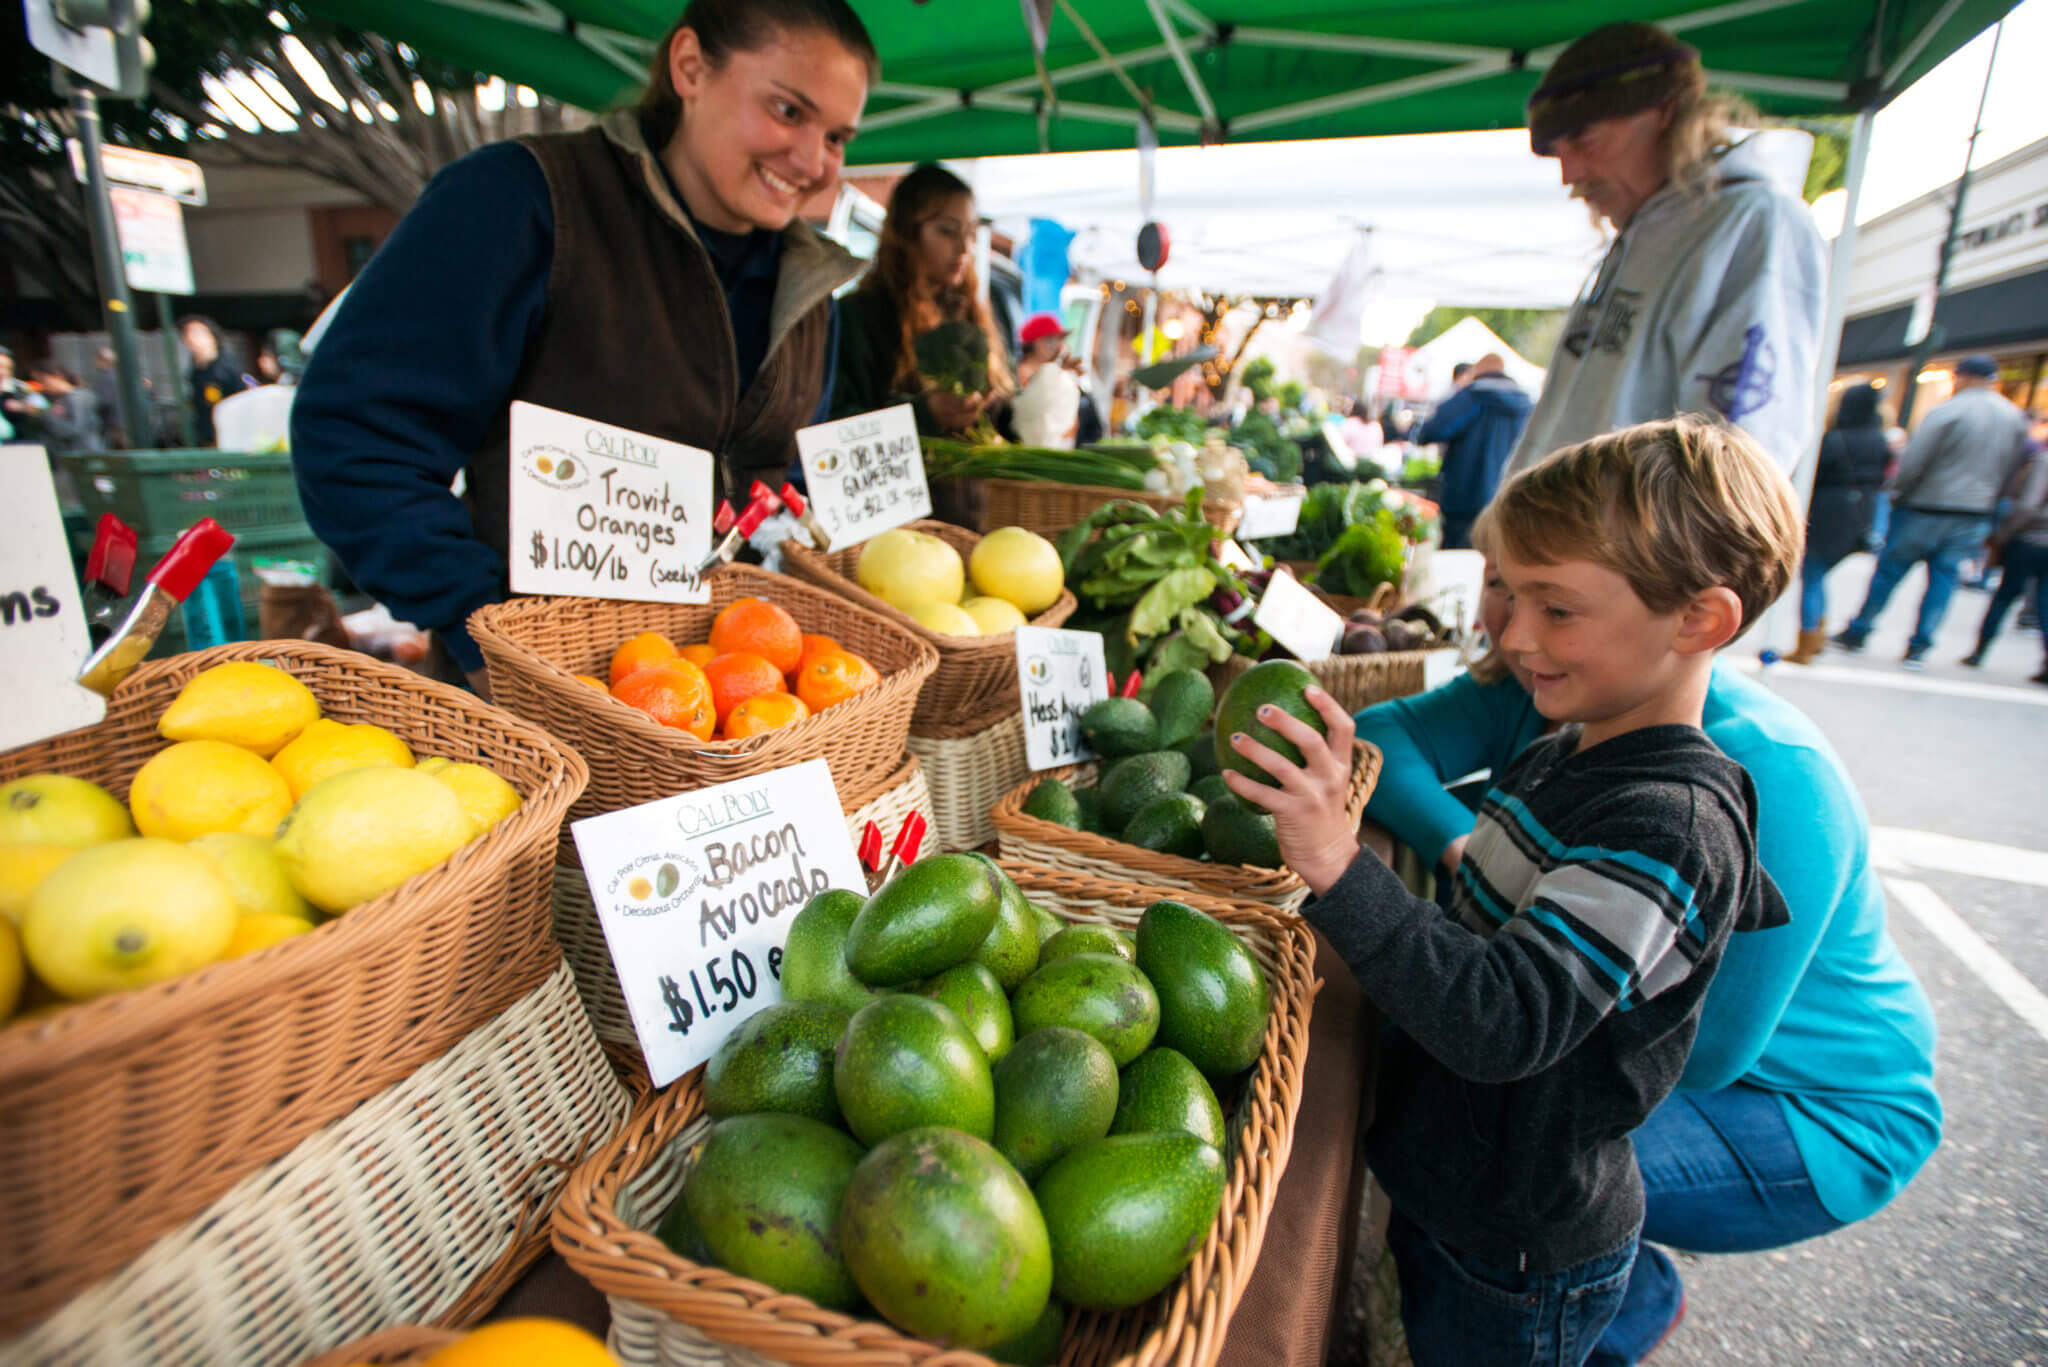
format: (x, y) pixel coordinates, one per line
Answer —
(1710, 298)
(1942, 501)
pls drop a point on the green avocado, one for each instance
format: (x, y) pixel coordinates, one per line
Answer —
(1201, 753)
(1053, 801)
(908, 1061)
(779, 1059)
(1098, 994)
(681, 1234)
(1056, 1089)
(1047, 925)
(944, 1238)
(765, 1195)
(930, 916)
(1010, 949)
(1161, 1092)
(1210, 787)
(1119, 726)
(1136, 781)
(1213, 996)
(972, 993)
(1089, 800)
(1168, 825)
(1182, 702)
(1127, 1213)
(1088, 939)
(1279, 682)
(1038, 1346)
(814, 956)
(1235, 832)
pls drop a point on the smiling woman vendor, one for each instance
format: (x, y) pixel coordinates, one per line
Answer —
(650, 272)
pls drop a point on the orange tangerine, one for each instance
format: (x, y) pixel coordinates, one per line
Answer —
(738, 677)
(814, 646)
(595, 683)
(699, 654)
(766, 712)
(674, 693)
(833, 677)
(649, 647)
(755, 627)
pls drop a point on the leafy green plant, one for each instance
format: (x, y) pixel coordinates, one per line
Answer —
(1266, 448)
(954, 357)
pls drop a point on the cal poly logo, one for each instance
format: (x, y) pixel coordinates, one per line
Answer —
(553, 468)
(1038, 669)
(654, 883)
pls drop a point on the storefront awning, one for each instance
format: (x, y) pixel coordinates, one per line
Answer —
(959, 78)
(1987, 317)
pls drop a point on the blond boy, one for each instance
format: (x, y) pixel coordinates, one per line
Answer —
(1549, 1012)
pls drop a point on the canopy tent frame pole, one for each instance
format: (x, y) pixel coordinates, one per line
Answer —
(1180, 59)
(1911, 52)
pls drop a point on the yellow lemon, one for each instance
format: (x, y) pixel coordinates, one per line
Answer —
(23, 867)
(904, 568)
(56, 809)
(525, 1343)
(199, 786)
(327, 748)
(126, 914)
(360, 834)
(993, 615)
(252, 705)
(12, 970)
(486, 798)
(253, 870)
(1019, 566)
(261, 932)
(948, 619)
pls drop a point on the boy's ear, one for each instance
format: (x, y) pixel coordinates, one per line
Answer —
(1711, 620)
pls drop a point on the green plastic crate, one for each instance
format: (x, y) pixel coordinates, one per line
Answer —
(161, 493)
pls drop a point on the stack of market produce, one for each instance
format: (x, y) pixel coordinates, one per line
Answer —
(1150, 583)
(968, 1115)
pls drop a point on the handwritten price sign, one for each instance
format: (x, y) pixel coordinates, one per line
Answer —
(866, 473)
(1059, 673)
(695, 894)
(602, 512)
(42, 622)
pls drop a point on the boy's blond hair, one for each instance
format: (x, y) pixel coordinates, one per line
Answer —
(1675, 507)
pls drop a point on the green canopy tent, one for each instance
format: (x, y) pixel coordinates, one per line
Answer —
(960, 79)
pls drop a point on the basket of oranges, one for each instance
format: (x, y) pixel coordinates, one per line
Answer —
(660, 698)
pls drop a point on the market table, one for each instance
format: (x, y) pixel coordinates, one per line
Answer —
(1288, 1311)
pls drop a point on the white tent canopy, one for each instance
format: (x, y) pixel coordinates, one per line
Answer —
(1470, 219)
(1467, 340)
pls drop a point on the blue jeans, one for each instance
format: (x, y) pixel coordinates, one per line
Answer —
(1813, 595)
(1944, 541)
(1461, 1312)
(1722, 1175)
(2024, 563)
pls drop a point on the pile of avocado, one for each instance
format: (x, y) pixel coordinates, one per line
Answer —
(1160, 785)
(969, 1115)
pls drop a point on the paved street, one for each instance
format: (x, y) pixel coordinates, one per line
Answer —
(1953, 1272)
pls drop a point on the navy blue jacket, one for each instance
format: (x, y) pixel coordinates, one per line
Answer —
(1479, 426)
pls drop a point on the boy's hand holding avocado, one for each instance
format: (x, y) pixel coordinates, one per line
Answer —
(1318, 838)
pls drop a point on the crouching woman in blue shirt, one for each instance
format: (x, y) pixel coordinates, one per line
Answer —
(651, 272)
(1808, 1101)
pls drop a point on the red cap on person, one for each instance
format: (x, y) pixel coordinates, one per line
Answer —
(1041, 325)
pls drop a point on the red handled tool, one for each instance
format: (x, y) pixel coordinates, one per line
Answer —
(794, 501)
(170, 583)
(729, 545)
(904, 852)
(1132, 685)
(109, 571)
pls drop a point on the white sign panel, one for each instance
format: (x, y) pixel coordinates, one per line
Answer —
(1299, 620)
(1231, 554)
(87, 51)
(151, 227)
(866, 473)
(42, 622)
(1266, 517)
(1059, 673)
(602, 512)
(182, 180)
(696, 892)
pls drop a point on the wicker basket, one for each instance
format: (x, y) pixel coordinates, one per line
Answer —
(123, 1117)
(409, 1345)
(968, 774)
(576, 924)
(424, 1204)
(1050, 509)
(976, 680)
(667, 1311)
(536, 646)
(1355, 681)
(1031, 840)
